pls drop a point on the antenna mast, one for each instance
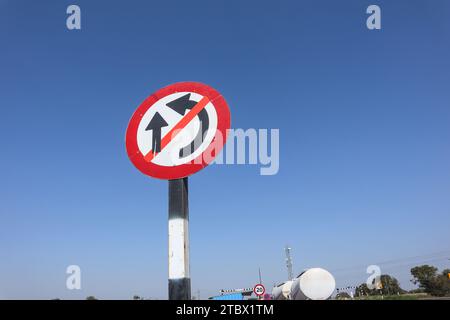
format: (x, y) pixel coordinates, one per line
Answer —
(287, 250)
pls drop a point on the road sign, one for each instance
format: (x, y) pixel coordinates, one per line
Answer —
(178, 130)
(259, 290)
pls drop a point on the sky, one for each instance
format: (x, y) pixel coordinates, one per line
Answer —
(363, 117)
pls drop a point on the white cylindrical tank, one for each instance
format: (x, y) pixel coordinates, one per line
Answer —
(286, 290)
(277, 292)
(282, 291)
(314, 284)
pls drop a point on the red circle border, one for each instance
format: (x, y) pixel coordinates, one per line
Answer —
(195, 165)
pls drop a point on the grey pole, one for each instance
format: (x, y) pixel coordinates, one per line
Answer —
(179, 276)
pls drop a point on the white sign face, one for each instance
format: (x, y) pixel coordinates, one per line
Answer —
(165, 133)
(259, 290)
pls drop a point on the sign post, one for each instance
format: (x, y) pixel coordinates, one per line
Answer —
(179, 278)
(174, 133)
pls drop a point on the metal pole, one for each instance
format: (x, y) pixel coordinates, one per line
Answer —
(260, 281)
(179, 277)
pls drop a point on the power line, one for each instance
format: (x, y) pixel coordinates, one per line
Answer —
(392, 267)
(430, 257)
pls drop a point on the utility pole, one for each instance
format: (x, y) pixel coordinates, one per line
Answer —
(260, 281)
(179, 277)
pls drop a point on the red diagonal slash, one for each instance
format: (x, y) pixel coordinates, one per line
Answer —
(177, 128)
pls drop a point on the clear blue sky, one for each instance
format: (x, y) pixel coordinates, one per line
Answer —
(364, 119)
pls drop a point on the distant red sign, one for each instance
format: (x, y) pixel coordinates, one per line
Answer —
(259, 290)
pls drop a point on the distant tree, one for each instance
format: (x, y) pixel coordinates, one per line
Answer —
(441, 286)
(343, 296)
(389, 284)
(423, 275)
(91, 298)
(136, 297)
(446, 273)
(430, 281)
(362, 290)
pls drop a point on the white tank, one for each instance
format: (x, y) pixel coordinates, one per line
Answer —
(286, 290)
(277, 292)
(282, 291)
(313, 284)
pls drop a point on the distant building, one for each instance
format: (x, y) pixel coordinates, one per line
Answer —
(234, 294)
(230, 296)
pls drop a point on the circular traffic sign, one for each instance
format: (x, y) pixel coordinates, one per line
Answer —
(178, 130)
(259, 289)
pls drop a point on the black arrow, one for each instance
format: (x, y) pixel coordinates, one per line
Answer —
(155, 125)
(182, 104)
(204, 124)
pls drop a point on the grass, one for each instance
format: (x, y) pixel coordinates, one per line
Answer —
(407, 296)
